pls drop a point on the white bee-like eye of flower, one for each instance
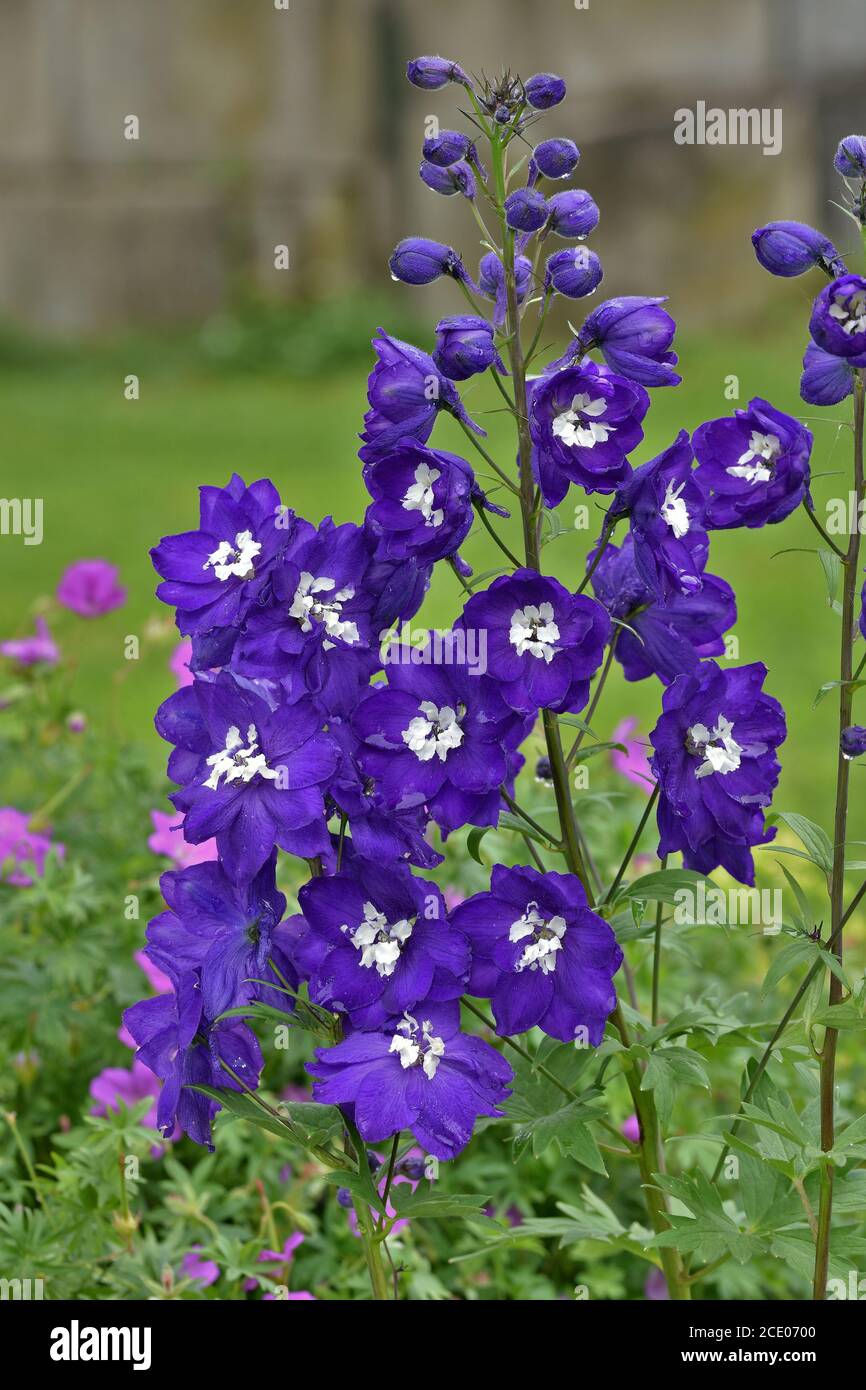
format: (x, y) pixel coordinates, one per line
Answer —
(534, 630)
(419, 497)
(310, 605)
(580, 424)
(850, 311)
(673, 510)
(718, 747)
(434, 732)
(543, 939)
(416, 1045)
(239, 763)
(379, 941)
(757, 464)
(234, 559)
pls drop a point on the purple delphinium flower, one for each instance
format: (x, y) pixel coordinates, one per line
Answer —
(634, 336)
(228, 933)
(850, 157)
(826, 379)
(377, 832)
(541, 955)
(572, 213)
(465, 347)
(753, 466)
(316, 634)
(491, 280)
(543, 644)
(544, 90)
(554, 159)
(422, 502)
(23, 851)
(838, 322)
(406, 390)
(790, 248)
(853, 741)
(457, 178)
(662, 639)
(716, 765)
(575, 272)
(377, 940)
(90, 588)
(184, 1049)
(666, 509)
(430, 73)
(583, 422)
(38, 649)
(214, 576)
(421, 1074)
(436, 736)
(253, 774)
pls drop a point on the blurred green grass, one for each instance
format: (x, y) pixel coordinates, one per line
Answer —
(117, 475)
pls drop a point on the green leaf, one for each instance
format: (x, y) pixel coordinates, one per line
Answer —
(815, 840)
(473, 842)
(662, 886)
(427, 1202)
(667, 1069)
(832, 567)
(835, 685)
(520, 827)
(786, 960)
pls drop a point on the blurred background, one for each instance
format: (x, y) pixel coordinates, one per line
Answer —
(259, 126)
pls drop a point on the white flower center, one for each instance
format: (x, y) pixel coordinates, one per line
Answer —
(543, 940)
(308, 607)
(239, 764)
(720, 750)
(379, 940)
(413, 1050)
(674, 510)
(534, 630)
(850, 311)
(419, 497)
(234, 560)
(756, 464)
(433, 732)
(578, 425)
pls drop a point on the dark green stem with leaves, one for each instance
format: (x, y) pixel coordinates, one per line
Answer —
(850, 585)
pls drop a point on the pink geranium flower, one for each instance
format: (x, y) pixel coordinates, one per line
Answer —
(634, 763)
(167, 839)
(22, 851)
(179, 662)
(90, 588)
(30, 651)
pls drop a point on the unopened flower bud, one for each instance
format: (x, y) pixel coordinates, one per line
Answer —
(575, 272)
(446, 148)
(544, 90)
(853, 741)
(790, 248)
(419, 261)
(850, 158)
(344, 1197)
(430, 73)
(465, 347)
(573, 213)
(457, 178)
(526, 210)
(555, 159)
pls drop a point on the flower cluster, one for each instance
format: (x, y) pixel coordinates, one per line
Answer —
(295, 734)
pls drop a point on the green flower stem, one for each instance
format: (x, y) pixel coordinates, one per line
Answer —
(840, 827)
(649, 1151)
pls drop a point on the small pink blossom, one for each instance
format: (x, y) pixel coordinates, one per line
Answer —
(634, 763)
(158, 981)
(630, 1129)
(179, 662)
(167, 839)
(22, 851)
(90, 588)
(31, 651)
